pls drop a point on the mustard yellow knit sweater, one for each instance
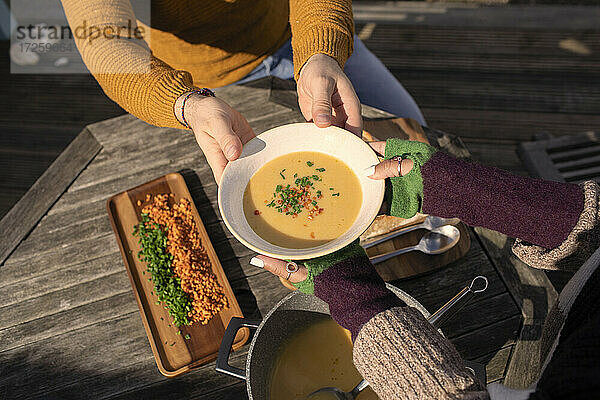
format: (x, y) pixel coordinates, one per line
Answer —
(207, 43)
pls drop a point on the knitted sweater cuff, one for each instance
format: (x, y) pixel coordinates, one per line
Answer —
(418, 362)
(321, 40)
(538, 211)
(354, 292)
(405, 193)
(579, 245)
(316, 266)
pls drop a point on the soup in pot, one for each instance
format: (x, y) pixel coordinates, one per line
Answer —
(303, 199)
(316, 357)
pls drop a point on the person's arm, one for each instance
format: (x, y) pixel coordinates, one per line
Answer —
(321, 27)
(557, 224)
(322, 42)
(125, 68)
(150, 89)
(396, 349)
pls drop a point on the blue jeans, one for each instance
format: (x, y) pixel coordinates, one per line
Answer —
(373, 82)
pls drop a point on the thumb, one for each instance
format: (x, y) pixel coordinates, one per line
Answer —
(297, 273)
(390, 169)
(321, 105)
(229, 142)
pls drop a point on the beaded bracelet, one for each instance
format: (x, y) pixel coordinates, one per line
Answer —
(203, 92)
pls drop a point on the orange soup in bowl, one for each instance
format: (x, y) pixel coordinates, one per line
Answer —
(302, 199)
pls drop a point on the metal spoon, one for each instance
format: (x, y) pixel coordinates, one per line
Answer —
(445, 312)
(436, 241)
(430, 223)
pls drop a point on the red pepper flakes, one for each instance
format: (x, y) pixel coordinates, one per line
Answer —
(312, 235)
(256, 212)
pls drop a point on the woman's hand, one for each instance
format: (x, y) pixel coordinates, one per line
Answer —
(403, 162)
(219, 129)
(278, 267)
(326, 96)
(387, 168)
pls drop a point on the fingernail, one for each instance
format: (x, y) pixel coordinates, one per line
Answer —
(323, 118)
(369, 170)
(230, 151)
(257, 262)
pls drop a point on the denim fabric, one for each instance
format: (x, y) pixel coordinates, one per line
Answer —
(373, 82)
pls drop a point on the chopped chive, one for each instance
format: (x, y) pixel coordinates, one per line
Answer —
(336, 194)
(281, 173)
(188, 337)
(330, 188)
(309, 163)
(321, 169)
(295, 175)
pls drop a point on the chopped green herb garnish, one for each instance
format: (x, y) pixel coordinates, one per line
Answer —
(292, 200)
(330, 188)
(153, 241)
(188, 337)
(336, 194)
(309, 163)
(321, 169)
(281, 173)
(295, 175)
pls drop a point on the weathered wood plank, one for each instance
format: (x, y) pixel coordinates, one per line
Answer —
(143, 381)
(29, 265)
(20, 170)
(54, 362)
(485, 340)
(500, 154)
(51, 325)
(479, 313)
(519, 16)
(495, 363)
(508, 125)
(541, 93)
(19, 221)
(65, 300)
(534, 295)
(58, 279)
(43, 242)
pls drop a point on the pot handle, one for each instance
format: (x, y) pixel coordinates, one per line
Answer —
(235, 324)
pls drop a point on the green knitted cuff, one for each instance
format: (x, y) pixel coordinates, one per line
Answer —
(317, 265)
(405, 194)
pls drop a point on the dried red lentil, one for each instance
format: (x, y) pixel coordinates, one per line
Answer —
(190, 260)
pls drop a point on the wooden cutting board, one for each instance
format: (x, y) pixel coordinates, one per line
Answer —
(413, 263)
(174, 354)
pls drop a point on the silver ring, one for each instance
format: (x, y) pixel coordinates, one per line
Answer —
(399, 159)
(290, 268)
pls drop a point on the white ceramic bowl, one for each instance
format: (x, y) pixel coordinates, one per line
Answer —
(291, 138)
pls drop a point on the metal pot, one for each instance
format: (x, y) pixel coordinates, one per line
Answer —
(293, 313)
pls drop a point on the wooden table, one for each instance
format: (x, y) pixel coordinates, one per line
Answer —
(69, 324)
